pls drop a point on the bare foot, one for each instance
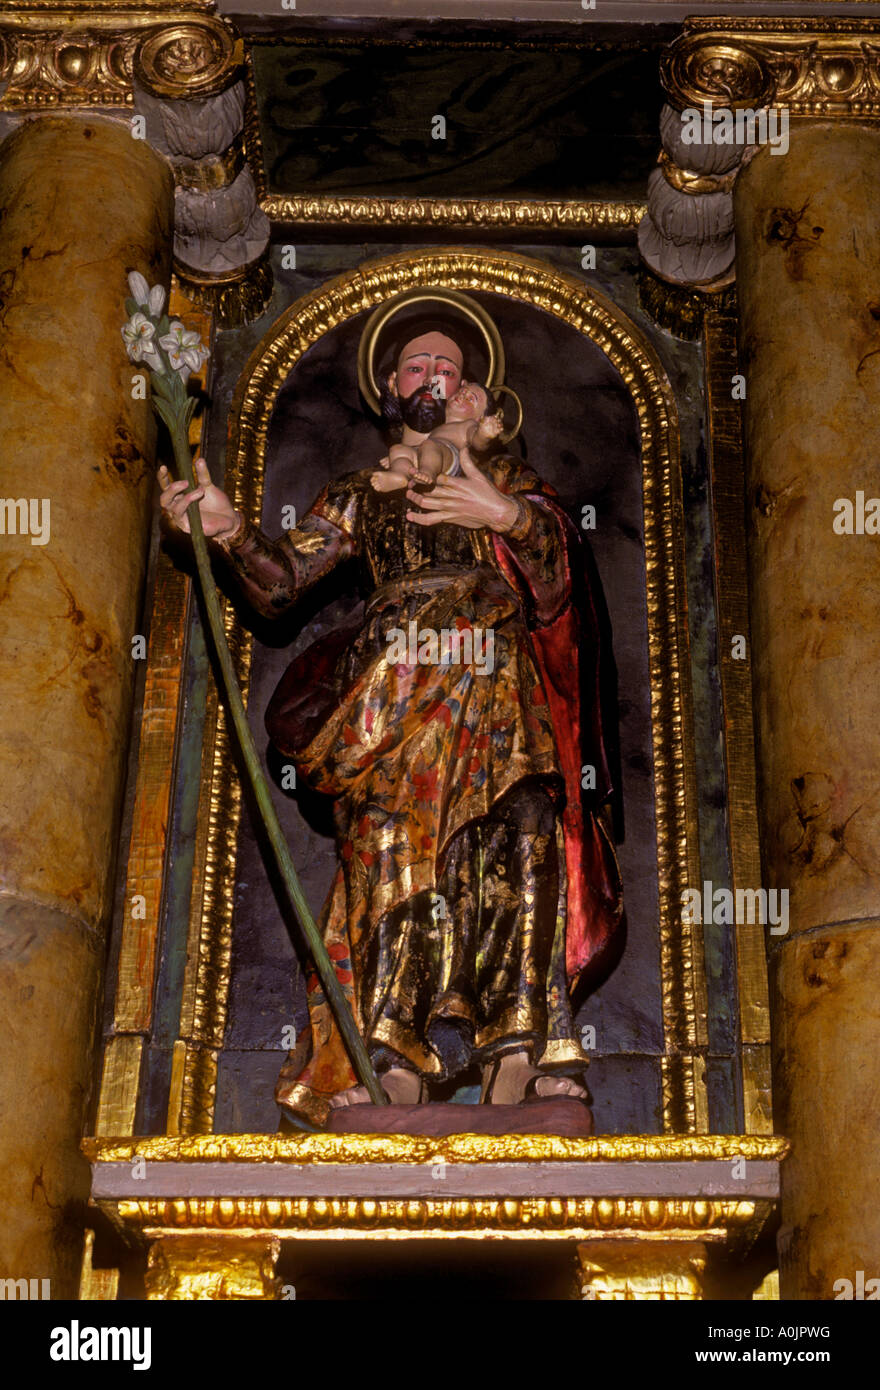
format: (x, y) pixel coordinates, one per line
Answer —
(402, 1087)
(355, 1095)
(515, 1071)
(387, 482)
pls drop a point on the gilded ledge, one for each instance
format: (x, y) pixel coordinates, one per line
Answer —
(455, 1148)
(496, 214)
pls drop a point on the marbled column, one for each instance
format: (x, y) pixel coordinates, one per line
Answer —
(83, 203)
(808, 277)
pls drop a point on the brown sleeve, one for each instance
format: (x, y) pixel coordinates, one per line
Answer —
(272, 575)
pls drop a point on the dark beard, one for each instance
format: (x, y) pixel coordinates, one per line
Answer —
(422, 416)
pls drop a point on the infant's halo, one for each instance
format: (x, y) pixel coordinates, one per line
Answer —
(507, 435)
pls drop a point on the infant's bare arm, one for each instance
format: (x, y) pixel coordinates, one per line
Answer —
(481, 435)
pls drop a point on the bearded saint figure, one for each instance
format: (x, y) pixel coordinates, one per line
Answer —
(477, 889)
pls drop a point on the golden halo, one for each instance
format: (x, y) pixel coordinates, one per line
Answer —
(506, 435)
(453, 299)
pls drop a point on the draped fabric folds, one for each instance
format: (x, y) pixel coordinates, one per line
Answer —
(450, 719)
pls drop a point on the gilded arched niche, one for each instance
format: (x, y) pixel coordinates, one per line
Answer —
(512, 280)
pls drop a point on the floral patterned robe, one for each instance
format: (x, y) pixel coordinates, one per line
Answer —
(473, 887)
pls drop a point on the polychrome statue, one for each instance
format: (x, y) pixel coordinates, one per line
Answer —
(450, 718)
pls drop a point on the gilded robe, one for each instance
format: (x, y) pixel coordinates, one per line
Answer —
(475, 885)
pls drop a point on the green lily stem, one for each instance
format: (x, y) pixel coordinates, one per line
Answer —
(332, 988)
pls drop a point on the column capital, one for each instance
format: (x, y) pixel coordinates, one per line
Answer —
(732, 86)
(52, 57)
(815, 68)
(181, 70)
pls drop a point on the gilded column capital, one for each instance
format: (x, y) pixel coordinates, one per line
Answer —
(686, 235)
(180, 71)
(191, 57)
(188, 89)
(220, 231)
(815, 68)
(53, 57)
(732, 87)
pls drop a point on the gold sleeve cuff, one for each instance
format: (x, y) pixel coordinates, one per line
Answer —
(237, 537)
(522, 523)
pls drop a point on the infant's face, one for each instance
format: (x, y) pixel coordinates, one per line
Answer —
(468, 403)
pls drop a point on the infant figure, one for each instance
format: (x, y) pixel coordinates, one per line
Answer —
(468, 425)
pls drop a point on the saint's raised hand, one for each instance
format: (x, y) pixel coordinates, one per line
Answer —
(219, 517)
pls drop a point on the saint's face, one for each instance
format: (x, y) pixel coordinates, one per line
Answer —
(423, 359)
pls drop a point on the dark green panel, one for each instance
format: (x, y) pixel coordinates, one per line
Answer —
(357, 120)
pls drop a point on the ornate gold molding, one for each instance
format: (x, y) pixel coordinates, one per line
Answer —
(517, 1218)
(192, 1267)
(209, 941)
(69, 56)
(606, 219)
(632, 1270)
(152, 810)
(189, 58)
(681, 309)
(453, 1148)
(688, 182)
(96, 1285)
(78, 9)
(826, 68)
(658, 1220)
(569, 299)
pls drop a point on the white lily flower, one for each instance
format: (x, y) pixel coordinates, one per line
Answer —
(152, 359)
(140, 290)
(185, 351)
(146, 298)
(138, 335)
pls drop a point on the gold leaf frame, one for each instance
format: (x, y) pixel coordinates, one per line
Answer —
(534, 282)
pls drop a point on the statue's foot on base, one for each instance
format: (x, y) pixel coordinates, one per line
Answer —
(401, 1086)
(355, 1095)
(512, 1079)
(544, 1086)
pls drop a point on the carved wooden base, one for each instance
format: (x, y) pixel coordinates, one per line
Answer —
(642, 1211)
